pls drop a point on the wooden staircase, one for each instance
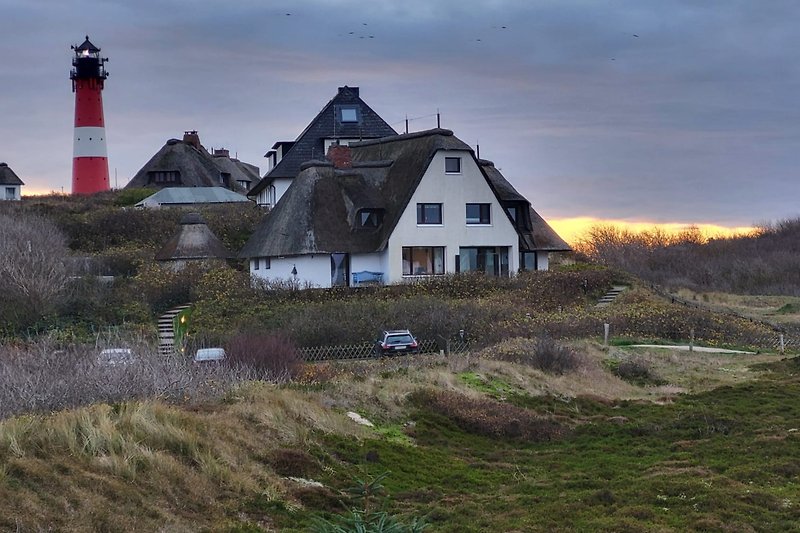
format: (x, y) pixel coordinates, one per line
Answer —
(611, 295)
(166, 330)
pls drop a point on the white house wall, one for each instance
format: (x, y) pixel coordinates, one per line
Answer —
(313, 270)
(376, 262)
(453, 191)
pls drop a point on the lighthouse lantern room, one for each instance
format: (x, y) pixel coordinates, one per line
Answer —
(89, 156)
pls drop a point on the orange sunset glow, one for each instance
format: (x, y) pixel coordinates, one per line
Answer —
(573, 229)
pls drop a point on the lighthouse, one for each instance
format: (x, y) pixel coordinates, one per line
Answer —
(89, 157)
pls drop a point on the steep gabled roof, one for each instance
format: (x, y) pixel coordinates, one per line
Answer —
(7, 176)
(193, 240)
(197, 167)
(310, 144)
(535, 234)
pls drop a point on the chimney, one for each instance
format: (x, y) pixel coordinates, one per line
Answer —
(191, 137)
(221, 152)
(340, 156)
(353, 90)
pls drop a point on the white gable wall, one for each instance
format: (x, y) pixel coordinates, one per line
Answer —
(454, 191)
(312, 270)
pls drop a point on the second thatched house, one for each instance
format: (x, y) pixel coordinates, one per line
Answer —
(186, 163)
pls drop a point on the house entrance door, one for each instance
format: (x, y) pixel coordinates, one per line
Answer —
(340, 270)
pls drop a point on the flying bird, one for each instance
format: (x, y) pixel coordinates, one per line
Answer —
(635, 35)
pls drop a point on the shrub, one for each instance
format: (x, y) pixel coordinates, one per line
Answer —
(544, 354)
(637, 371)
(489, 417)
(554, 358)
(272, 356)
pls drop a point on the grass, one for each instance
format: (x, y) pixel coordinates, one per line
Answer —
(708, 455)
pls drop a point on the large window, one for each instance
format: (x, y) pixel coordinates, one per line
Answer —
(528, 261)
(491, 260)
(478, 214)
(452, 165)
(11, 193)
(429, 213)
(423, 260)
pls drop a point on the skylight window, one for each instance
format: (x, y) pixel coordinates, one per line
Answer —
(348, 114)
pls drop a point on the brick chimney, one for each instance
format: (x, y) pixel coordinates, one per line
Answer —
(191, 137)
(340, 156)
(221, 152)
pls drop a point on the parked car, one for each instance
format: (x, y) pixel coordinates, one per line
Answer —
(206, 355)
(116, 356)
(396, 341)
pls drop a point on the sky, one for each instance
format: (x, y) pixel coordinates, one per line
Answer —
(649, 111)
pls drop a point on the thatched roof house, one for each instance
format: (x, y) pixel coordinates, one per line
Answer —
(355, 205)
(10, 183)
(186, 163)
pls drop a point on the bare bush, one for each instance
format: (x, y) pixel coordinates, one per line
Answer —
(33, 277)
(42, 377)
(272, 357)
(764, 262)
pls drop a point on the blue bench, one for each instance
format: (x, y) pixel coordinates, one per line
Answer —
(365, 276)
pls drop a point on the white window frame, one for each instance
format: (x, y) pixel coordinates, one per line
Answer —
(450, 159)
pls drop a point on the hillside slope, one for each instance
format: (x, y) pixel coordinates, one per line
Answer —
(471, 443)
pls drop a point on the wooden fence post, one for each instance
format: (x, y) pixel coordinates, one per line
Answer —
(606, 328)
(783, 346)
(691, 341)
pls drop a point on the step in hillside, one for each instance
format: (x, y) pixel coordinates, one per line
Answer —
(166, 331)
(611, 295)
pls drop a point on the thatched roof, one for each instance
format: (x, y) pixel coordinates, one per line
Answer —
(7, 176)
(310, 144)
(534, 233)
(196, 166)
(319, 212)
(193, 240)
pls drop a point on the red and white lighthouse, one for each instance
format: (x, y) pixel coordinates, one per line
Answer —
(89, 157)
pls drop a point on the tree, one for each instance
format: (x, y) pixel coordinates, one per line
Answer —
(33, 275)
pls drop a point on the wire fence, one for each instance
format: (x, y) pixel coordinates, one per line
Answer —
(367, 350)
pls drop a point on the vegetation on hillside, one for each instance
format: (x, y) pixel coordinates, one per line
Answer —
(468, 444)
(766, 262)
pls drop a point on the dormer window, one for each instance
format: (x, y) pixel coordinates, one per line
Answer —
(225, 178)
(164, 176)
(370, 218)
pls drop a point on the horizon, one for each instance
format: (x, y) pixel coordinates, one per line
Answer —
(644, 112)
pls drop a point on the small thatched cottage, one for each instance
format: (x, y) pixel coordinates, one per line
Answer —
(186, 163)
(194, 242)
(10, 183)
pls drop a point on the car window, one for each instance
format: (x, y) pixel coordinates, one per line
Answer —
(399, 339)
